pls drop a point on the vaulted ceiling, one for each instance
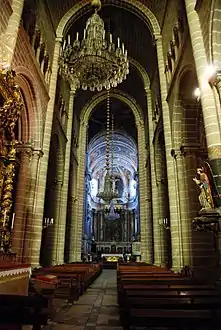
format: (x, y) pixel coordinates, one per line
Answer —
(123, 22)
(58, 8)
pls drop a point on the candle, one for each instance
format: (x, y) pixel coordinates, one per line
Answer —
(69, 39)
(13, 219)
(64, 44)
(118, 42)
(77, 35)
(104, 34)
(110, 38)
(84, 33)
(123, 48)
(52, 220)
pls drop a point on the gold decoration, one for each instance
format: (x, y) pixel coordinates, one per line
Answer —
(11, 107)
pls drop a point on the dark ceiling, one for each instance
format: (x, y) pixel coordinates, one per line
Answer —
(58, 8)
(123, 119)
(131, 30)
(138, 41)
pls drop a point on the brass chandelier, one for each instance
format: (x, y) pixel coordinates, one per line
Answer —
(95, 62)
(108, 193)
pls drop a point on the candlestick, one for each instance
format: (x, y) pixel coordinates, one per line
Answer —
(77, 35)
(13, 219)
(69, 39)
(111, 38)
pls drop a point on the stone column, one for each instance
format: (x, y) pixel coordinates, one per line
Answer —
(30, 225)
(155, 209)
(7, 46)
(39, 207)
(177, 260)
(56, 225)
(211, 122)
(145, 216)
(185, 220)
(21, 201)
(60, 222)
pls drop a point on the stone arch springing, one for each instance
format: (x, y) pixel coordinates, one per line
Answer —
(32, 119)
(178, 114)
(85, 115)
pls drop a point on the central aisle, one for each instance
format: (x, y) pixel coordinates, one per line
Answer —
(96, 309)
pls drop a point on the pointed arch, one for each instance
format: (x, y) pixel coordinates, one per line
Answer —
(143, 184)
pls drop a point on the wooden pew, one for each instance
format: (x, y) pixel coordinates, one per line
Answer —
(16, 311)
(73, 279)
(152, 297)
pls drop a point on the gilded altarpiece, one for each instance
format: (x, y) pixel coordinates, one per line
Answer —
(114, 236)
(11, 106)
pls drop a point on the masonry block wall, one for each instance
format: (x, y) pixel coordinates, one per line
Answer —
(5, 12)
(205, 15)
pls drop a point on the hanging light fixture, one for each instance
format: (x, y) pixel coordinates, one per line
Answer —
(108, 193)
(95, 62)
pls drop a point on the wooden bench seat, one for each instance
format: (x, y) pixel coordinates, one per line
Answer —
(73, 279)
(174, 317)
(152, 297)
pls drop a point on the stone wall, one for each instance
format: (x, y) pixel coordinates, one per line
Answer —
(5, 12)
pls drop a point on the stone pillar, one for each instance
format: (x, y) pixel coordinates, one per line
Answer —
(39, 207)
(56, 225)
(183, 196)
(21, 201)
(158, 243)
(145, 215)
(211, 122)
(10, 35)
(30, 225)
(177, 260)
(61, 214)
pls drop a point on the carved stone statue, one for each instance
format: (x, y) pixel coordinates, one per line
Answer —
(205, 196)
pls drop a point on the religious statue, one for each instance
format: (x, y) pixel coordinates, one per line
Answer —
(205, 196)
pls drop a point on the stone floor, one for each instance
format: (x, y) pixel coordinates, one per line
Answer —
(96, 309)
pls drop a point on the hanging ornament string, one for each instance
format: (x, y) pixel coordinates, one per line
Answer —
(112, 145)
(108, 134)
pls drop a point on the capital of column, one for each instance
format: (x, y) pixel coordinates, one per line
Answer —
(38, 152)
(58, 39)
(25, 150)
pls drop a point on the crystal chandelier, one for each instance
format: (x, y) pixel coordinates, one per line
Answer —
(112, 215)
(108, 193)
(95, 62)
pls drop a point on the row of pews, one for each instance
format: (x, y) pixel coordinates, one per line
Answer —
(154, 297)
(66, 282)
